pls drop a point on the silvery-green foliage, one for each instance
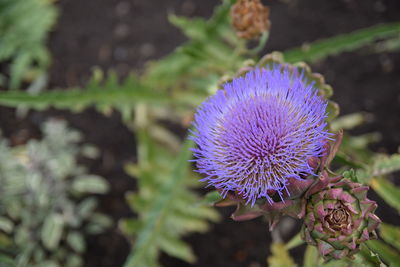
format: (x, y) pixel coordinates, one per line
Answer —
(47, 204)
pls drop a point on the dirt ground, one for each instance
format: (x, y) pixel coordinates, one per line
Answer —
(122, 35)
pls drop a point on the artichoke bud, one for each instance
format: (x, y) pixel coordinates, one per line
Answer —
(339, 218)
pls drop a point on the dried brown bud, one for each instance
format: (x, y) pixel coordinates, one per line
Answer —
(250, 18)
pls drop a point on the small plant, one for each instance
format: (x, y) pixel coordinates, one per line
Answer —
(47, 202)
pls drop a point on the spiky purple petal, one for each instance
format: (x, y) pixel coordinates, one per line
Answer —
(258, 132)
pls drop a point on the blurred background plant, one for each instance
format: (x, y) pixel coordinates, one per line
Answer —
(48, 200)
(157, 106)
(24, 28)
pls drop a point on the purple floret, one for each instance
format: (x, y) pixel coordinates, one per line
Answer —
(259, 131)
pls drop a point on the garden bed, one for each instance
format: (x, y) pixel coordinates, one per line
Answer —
(123, 35)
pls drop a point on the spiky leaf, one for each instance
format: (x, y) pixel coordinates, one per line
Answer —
(166, 206)
(342, 43)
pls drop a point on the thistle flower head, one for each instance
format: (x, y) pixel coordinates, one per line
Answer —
(258, 132)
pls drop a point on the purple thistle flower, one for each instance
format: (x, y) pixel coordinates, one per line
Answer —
(259, 131)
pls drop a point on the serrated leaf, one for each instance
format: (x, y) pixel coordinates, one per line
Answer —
(189, 223)
(151, 229)
(195, 29)
(18, 67)
(176, 248)
(111, 94)
(90, 184)
(130, 226)
(24, 46)
(212, 45)
(341, 43)
(52, 231)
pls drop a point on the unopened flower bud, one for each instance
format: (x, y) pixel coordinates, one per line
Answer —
(250, 18)
(339, 218)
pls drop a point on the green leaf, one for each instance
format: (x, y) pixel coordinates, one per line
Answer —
(102, 94)
(76, 241)
(6, 261)
(212, 50)
(311, 257)
(36, 192)
(18, 68)
(348, 122)
(212, 197)
(388, 191)
(86, 207)
(167, 208)
(385, 252)
(98, 223)
(90, 184)
(195, 29)
(130, 226)
(74, 260)
(280, 256)
(22, 45)
(52, 231)
(6, 225)
(366, 257)
(351, 175)
(160, 208)
(391, 234)
(294, 242)
(380, 166)
(48, 263)
(176, 248)
(342, 43)
(383, 165)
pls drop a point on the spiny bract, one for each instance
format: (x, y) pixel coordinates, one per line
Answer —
(258, 131)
